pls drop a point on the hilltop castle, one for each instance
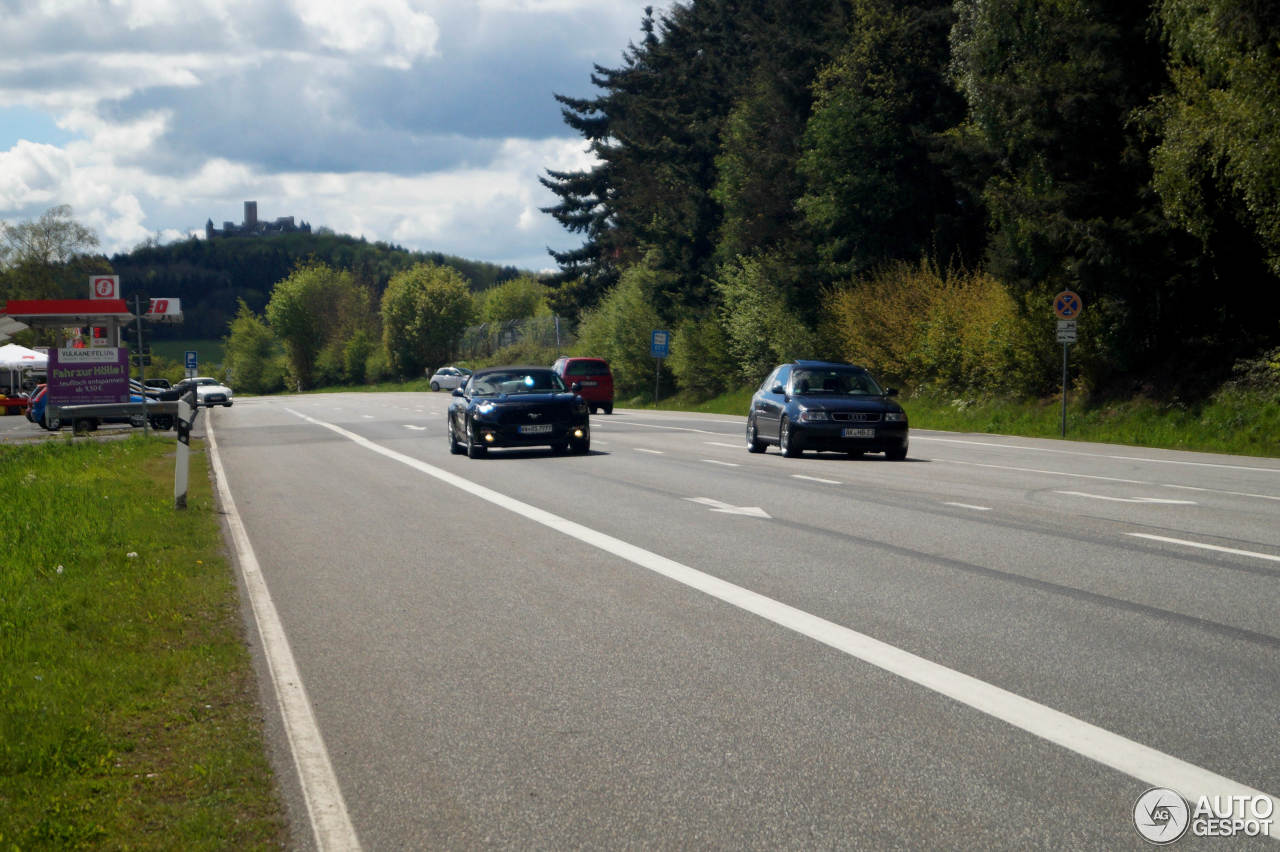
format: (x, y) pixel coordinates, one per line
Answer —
(251, 227)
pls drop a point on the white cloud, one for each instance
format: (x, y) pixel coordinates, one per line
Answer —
(420, 122)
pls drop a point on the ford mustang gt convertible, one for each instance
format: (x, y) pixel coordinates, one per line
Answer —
(517, 407)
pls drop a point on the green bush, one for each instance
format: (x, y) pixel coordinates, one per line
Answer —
(761, 329)
(960, 332)
(700, 359)
(620, 329)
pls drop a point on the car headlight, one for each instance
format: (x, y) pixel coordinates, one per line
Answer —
(810, 414)
(485, 408)
(895, 417)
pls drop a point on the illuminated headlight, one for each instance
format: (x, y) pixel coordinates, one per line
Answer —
(808, 415)
(895, 417)
(488, 437)
(577, 433)
(485, 408)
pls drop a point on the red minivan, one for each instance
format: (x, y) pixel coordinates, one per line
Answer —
(592, 375)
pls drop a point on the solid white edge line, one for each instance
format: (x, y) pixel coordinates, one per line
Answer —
(327, 810)
(1201, 546)
(816, 479)
(1076, 735)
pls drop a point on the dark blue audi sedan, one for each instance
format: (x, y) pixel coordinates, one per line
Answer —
(517, 407)
(826, 405)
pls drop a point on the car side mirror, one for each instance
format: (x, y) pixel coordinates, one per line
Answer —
(458, 392)
(778, 388)
(576, 387)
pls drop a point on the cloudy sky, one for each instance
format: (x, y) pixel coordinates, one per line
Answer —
(425, 123)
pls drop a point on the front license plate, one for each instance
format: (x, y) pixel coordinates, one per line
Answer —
(858, 433)
(538, 429)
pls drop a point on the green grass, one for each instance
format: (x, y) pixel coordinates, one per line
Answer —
(128, 712)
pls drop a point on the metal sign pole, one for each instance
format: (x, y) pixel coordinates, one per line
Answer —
(142, 370)
(1064, 389)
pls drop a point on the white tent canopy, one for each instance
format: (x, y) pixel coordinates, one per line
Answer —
(13, 357)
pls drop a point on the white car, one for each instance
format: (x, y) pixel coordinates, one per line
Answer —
(210, 391)
(449, 378)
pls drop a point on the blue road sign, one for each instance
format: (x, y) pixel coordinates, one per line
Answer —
(191, 359)
(660, 344)
(1067, 305)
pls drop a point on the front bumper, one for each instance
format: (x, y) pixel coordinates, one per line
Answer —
(833, 436)
(509, 435)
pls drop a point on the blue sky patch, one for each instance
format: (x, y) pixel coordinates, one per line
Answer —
(19, 122)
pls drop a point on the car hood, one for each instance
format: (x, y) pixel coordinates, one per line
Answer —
(524, 398)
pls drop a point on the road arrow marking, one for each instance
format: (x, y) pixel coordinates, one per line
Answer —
(718, 506)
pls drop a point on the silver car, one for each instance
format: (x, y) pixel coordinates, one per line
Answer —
(449, 378)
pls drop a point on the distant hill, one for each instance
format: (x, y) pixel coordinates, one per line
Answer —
(210, 276)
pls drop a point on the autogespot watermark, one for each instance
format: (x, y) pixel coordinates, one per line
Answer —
(1162, 816)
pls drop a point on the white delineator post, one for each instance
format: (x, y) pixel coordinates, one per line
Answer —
(186, 420)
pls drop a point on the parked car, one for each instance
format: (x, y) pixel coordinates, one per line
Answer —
(517, 407)
(823, 405)
(593, 377)
(158, 383)
(449, 378)
(209, 391)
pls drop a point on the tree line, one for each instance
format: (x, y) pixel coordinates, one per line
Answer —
(906, 183)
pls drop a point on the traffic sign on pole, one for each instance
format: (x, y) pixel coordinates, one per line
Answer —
(1067, 305)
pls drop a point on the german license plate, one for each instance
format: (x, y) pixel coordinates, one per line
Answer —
(858, 433)
(588, 383)
(536, 429)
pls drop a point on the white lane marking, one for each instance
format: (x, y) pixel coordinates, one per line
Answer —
(915, 436)
(1107, 479)
(1049, 472)
(650, 452)
(967, 506)
(415, 428)
(816, 479)
(730, 509)
(1128, 499)
(722, 463)
(1220, 491)
(326, 808)
(1098, 744)
(723, 444)
(1202, 546)
(367, 416)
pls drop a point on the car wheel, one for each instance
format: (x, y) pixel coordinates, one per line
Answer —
(475, 450)
(754, 444)
(787, 442)
(53, 424)
(896, 454)
(608, 409)
(581, 447)
(454, 447)
(594, 409)
(435, 386)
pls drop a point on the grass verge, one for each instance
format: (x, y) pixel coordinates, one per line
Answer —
(129, 715)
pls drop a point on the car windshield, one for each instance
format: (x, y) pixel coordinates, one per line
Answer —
(834, 381)
(516, 382)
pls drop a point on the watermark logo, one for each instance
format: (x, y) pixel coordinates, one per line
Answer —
(1161, 816)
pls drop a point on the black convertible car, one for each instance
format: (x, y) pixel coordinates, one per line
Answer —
(517, 407)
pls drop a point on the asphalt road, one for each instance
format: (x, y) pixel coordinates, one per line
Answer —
(1000, 643)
